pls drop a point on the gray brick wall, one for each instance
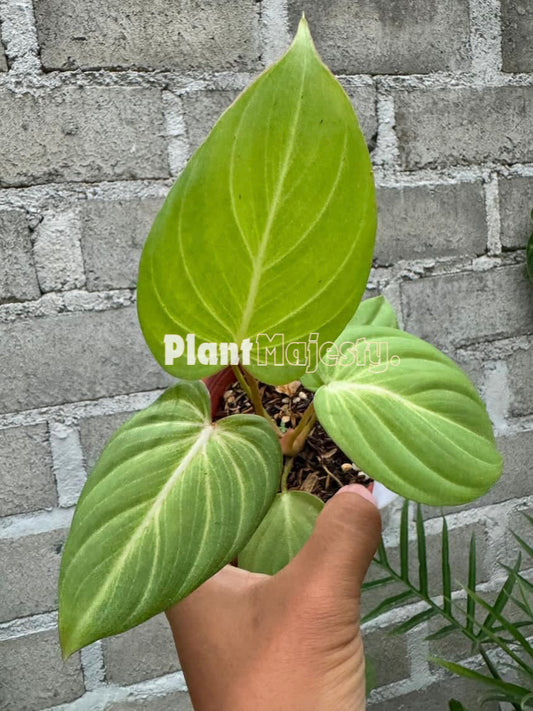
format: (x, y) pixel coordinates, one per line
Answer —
(102, 103)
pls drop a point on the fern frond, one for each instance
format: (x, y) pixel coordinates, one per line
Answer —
(495, 629)
(446, 569)
(404, 542)
(471, 601)
(422, 552)
(504, 595)
(508, 692)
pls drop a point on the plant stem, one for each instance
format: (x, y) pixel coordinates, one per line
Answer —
(285, 475)
(296, 439)
(242, 381)
(250, 386)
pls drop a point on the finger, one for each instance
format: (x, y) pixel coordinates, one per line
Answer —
(343, 542)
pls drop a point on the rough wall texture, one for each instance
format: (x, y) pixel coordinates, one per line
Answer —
(101, 104)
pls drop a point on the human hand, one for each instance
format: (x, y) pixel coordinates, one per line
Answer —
(288, 642)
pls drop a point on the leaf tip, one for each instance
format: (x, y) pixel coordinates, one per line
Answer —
(303, 34)
(67, 648)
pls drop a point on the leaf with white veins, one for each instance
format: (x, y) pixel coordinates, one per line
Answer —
(171, 500)
(408, 416)
(282, 533)
(270, 228)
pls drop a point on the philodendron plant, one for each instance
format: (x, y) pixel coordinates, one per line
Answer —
(258, 260)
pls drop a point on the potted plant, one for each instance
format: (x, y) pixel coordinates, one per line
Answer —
(253, 274)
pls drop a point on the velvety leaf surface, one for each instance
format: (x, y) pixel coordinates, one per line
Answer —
(377, 311)
(270, 228)
(281, 534)
(408, 417)
(171, 500)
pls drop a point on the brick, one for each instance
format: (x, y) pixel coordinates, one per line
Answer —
(75, 356)
(201, 110)
(112, 237)
(520, 368)
(516, 203)
(387, 653)
(517, 453)
(364, 99)
(517, 30)
(26, 476)
(430, 221)
(33, 676)
(177, 701)
(57, 252)
(437, 696)
(520, 525)
(472, 361)
(95, 433)
(458, 126)
(181, 35)
(144, 652)
(80, 133)
(30, 569)
(18, 280)
(456, 309)
(407, 36)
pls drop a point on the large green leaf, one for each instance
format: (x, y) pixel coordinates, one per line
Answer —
(282, 532)
(376, 311)
(409, 417)
(270, 228)
(171, 500)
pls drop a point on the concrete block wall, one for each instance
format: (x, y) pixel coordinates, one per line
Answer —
(101, 105)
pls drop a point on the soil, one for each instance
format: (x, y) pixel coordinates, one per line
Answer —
(321, 468)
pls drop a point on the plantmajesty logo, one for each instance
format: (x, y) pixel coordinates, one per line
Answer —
(272, 350)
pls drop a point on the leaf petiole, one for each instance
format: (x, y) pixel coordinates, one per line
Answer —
(294, 441)
(251, 388)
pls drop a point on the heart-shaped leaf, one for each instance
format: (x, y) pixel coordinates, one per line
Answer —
(377, 311)
(268, 234)
(409, 417)
(281, 534)
(171, 500)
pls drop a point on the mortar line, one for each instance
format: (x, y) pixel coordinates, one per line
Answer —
(75, 411)
(199, 80)
(275, 35)
(485, 38)
(102, 697)
(492, 213)
(93, 666)
(49, 195)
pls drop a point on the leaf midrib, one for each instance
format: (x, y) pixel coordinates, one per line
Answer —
(203, 438)
(258, 263)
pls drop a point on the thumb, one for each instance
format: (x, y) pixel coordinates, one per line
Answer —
(343, 542)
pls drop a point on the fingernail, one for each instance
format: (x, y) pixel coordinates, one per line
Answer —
(360, 490)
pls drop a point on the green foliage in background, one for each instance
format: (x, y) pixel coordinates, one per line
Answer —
(501, 626)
